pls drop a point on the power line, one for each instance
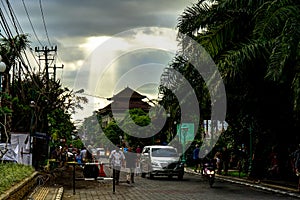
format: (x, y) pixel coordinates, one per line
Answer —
(41, 7)
(9, 38)
(5, 10)
(99, 97)
(14, 18)
(16, 24)
(25, 8)
(4, 23)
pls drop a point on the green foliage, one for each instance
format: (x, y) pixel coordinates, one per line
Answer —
(76, 143)
(135, 120)
(113, 132)
(4, 109)
(237, 174)
(51, 112)
(255, 45)
(11, 48)
(12, 173)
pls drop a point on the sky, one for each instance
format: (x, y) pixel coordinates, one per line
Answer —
(104, 45)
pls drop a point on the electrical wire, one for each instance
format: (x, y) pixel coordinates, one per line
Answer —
(34, 32)
(41, 7)
(5, 10)
(8, 32)
(20, 55)
(4, 25)
(14, 19)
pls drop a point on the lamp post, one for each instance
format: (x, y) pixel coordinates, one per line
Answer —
(175, 129)
(120, 140)
(2, 69)
(169, 126)
(32, 106)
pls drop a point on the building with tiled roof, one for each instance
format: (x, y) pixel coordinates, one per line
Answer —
(122, 102)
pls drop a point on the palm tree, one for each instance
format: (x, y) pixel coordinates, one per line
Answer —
(255, 45)
(242, 34)
(10, 50)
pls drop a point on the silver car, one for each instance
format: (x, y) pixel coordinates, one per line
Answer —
(158, 160)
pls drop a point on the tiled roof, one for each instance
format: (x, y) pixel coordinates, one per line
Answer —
(120, 101)
(127, 93)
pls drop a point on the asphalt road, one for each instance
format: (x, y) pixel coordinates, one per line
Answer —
(191, 187)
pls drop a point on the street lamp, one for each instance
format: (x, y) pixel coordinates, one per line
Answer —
(120, 140)
(169, 127)
(32, 106)
(2, 69)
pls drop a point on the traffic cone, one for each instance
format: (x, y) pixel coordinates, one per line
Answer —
(101, 171)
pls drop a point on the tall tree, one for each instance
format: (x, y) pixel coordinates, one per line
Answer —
(10, 50)
(255, 45)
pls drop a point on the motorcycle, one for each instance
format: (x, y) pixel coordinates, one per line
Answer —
(208, 171)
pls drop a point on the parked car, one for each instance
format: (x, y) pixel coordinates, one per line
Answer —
(158, 160)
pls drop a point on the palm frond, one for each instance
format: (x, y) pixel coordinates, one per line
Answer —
(233, 62)
(271, 16)
(194, 18)
(296, 90)
(284, 50)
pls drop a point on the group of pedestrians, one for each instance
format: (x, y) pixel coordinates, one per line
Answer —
(128, 159)
(68, 154)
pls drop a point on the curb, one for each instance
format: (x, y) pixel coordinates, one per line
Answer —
(263, 186)
(59, 194)
(27, 184)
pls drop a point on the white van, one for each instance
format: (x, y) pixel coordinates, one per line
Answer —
(159, 160)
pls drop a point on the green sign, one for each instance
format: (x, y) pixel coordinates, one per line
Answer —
(186, 132)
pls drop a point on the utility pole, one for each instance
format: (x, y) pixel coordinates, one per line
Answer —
(45, 54)
(48, 56)
(54, 70)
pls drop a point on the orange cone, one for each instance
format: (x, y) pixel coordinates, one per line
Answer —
(101, 171)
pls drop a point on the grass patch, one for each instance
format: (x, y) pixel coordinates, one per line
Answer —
(237, 174)
(12, 173)
(230, 173)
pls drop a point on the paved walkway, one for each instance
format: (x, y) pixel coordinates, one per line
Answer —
(85, 191)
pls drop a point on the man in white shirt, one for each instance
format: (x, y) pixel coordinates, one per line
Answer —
(117, 160)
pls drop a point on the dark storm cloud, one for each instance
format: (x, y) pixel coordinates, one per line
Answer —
(99, 17)
(70, 22)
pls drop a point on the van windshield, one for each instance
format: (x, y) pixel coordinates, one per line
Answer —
(164, 152)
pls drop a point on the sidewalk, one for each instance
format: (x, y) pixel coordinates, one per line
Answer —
(276, 186)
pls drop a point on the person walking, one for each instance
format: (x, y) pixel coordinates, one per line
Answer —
(296, 158)
(117, 160)
(225, 159)
(218, 159)
(196, 158)
(257, 171)
(131, 162)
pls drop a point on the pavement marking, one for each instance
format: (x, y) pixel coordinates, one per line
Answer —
(41, 194)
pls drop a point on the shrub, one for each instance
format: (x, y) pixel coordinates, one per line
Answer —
(12, 173)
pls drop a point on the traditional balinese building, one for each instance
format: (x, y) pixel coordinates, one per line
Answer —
(121, 102)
